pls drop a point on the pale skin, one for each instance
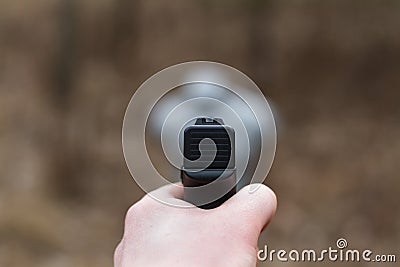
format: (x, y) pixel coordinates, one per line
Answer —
(157, 234)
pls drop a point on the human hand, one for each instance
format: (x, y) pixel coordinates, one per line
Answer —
(157, 234)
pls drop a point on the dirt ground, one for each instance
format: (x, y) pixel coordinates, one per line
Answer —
(68, 69)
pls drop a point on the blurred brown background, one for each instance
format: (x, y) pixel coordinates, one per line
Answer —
(68, 69)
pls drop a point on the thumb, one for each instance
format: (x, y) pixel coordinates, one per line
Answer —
(253, 207)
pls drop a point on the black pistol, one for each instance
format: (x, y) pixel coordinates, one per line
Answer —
(198, 169)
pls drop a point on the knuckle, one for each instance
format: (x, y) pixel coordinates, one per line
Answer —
(137, 210)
